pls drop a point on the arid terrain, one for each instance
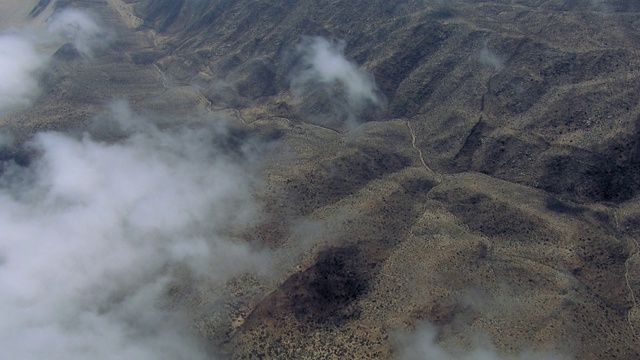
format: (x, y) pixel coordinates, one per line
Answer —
(435, 179)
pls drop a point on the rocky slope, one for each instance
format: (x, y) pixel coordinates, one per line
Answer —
(489, 187)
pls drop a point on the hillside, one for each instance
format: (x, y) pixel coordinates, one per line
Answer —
(448, 175)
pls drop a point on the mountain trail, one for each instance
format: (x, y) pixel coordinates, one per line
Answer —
(413, 144)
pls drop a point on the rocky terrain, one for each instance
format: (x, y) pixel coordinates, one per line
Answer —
(484, 184)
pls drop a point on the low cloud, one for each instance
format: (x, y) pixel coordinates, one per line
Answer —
(23, 57)
(20, 65)
(79, 28)
(6, 140)
(95, 232)
(601, 5)
(489, 58)
(423, 343)
(333, 91)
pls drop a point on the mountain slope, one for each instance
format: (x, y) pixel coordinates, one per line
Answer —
(489, 187)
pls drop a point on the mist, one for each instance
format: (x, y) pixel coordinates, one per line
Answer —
(94, 232)
(423, 344)
(98, 227)
(25, 53)
(79, 28)
(332, 90)
(20, 65)
(491, 59)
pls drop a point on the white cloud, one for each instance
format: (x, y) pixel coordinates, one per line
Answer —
(601, 5)
(92, 233)
(323, 68)
(20, 64)
(79, 28)
(488, 57)
(6, 140)
(422, 344)
(22, 59)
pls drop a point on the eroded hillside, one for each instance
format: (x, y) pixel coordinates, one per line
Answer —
(476, 174)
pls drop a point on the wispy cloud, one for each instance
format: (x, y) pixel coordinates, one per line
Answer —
(333, 90)
(23, 60)
(20, 65)
(81, 29)
(422, 343)
(489, 58)
(93, 233)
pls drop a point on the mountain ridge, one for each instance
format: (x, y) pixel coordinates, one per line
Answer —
(492, 187)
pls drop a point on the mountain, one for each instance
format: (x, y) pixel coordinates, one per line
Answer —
(466, 169)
